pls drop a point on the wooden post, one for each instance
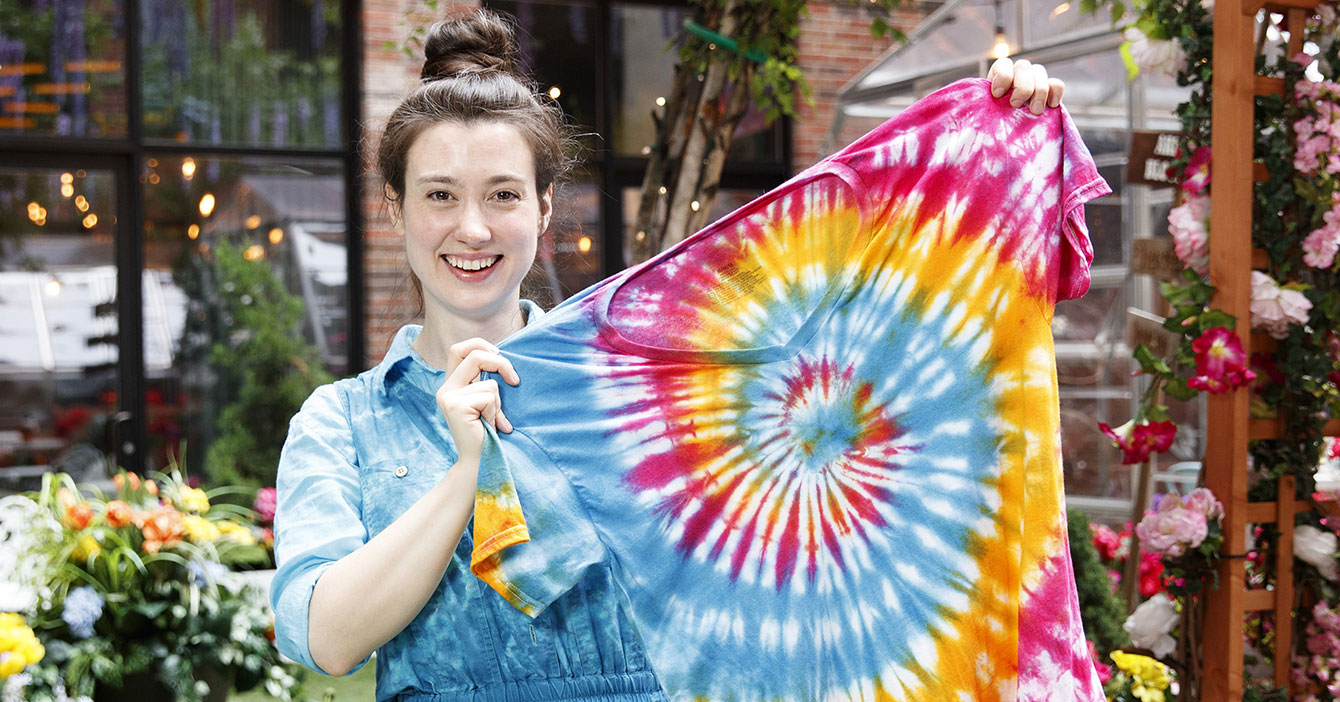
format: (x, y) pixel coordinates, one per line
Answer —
(1230, 271)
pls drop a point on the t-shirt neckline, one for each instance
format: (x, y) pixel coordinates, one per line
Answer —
(762, 354)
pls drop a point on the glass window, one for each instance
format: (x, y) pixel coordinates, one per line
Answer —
(58, 324)
(62, 68)
(239, 251)
(568, 259)
(558, 44)
(252, 72)
(646, 67)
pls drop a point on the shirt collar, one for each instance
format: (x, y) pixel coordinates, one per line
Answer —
(402, 352)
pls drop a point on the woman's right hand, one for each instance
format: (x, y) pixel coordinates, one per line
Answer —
(468, 402)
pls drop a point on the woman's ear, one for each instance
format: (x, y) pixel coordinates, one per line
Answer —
(392, 206)
(546, 207)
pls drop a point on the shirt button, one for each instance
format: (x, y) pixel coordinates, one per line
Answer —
(401, 471)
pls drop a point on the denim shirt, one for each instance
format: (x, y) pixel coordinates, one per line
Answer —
(358, 454)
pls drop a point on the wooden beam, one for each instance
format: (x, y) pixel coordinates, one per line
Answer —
(1268, 512)
(1274, 428)
(1265, 85)
(1251, 7)
(1252, 601)
(1260, 173)
(1284, 582)
(1262, 343)
(1231, 199)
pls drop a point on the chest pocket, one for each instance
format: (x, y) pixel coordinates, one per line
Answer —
(391, 486)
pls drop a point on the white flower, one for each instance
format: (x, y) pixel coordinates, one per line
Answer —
(1155, 55)
(1317, 548)
(1150, 623)
(1274, 308)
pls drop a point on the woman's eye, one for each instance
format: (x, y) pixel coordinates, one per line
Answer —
(507, 196)
(439, 195)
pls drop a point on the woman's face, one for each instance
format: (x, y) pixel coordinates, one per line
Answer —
(471, 217)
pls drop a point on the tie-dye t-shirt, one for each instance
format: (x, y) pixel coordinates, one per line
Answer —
(818, 440)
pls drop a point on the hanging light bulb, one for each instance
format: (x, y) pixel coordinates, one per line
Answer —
(1000, 46)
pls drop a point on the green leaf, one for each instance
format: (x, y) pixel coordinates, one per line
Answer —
(1217, 318)
(1157, 413)
(1132, 70)
(1149, 362)
(1178, 389)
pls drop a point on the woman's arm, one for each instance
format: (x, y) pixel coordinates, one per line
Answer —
(370, 595)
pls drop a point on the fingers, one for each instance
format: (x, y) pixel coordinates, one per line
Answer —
(1038, 102)
(1023, 83)
(475, 358)
(1056, 86)
(1001, 76)
(476, 401)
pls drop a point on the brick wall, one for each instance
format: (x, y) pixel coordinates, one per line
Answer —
(388, 74)
(835, 46)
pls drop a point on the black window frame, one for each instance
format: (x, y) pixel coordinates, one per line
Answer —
(125, 155)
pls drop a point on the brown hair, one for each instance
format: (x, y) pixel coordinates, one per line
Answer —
(470, 74)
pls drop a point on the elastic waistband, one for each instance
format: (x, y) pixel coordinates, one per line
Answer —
(641, 686)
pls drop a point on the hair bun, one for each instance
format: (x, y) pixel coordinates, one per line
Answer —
(481, 41)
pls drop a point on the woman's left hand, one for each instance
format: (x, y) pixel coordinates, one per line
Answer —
(1031, 84)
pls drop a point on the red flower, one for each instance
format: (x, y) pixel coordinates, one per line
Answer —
(1142, 440)
(1151, 574)
(1106, 541)
(1198, 172)
(1221, 363)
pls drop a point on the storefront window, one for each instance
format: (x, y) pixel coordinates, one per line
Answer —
(58, 322)
(245, 283)
(246, 72)
(62, 68)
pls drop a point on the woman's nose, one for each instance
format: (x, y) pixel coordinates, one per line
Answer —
(473, 226)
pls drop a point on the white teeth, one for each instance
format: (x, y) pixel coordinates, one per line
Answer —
(471, 265)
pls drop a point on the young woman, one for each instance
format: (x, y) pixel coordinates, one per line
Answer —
(376, 490)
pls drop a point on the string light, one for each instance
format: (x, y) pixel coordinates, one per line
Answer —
(554, 92)
(66, 178)
(188, 168)
(206, 204)
(52, 287)
(276, 235)
(1000, 47)
(82, 203)
(193, 231)
(255, 252)
(67, 190)
(90, 221)
(660, 101)
(694, 206)
(661, 190)
(584, 244)
(253, 221)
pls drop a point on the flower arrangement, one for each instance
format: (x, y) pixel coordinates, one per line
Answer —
(1138, 678)
(1185, 533)
(134, 588)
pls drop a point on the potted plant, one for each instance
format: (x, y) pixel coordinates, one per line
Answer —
(133, 596)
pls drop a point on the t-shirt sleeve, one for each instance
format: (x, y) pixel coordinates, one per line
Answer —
(318, 515)
(533, 538)
(1080, 183)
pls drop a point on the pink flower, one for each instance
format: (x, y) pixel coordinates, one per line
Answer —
(1151, 574)
(1172, 528)
(1275, 308)
(1188, 224)
(1203, 501)
(1104, 670)
(1138, 442)
(264, 504)
(1198, 172)
(1221, 362)
(1303, 59)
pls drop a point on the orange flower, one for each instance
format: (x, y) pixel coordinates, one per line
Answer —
(151, 487)
(119, 514)
(161, 527)
(124, 479)
(75, 513)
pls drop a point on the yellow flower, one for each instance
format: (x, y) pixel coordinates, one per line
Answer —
(87, 548)
(1149, 678)
(199, 530)
(19, 647)
(192, 500)
(235, 532)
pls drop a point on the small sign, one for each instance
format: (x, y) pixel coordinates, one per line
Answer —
(1150, 158)
(1155, 257)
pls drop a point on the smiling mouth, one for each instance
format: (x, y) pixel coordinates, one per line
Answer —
(477, 264)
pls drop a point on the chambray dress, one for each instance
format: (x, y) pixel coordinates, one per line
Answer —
(358, 454)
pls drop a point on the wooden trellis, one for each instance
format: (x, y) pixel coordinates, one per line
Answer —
(1235, 85)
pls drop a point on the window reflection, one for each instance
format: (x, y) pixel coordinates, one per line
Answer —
(58, 353)
(70, 81)
(256, 72)
(568, 259)
(238, 250)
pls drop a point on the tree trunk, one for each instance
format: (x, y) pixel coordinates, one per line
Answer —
(644, 239)
(722, 137)
(705, 119)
